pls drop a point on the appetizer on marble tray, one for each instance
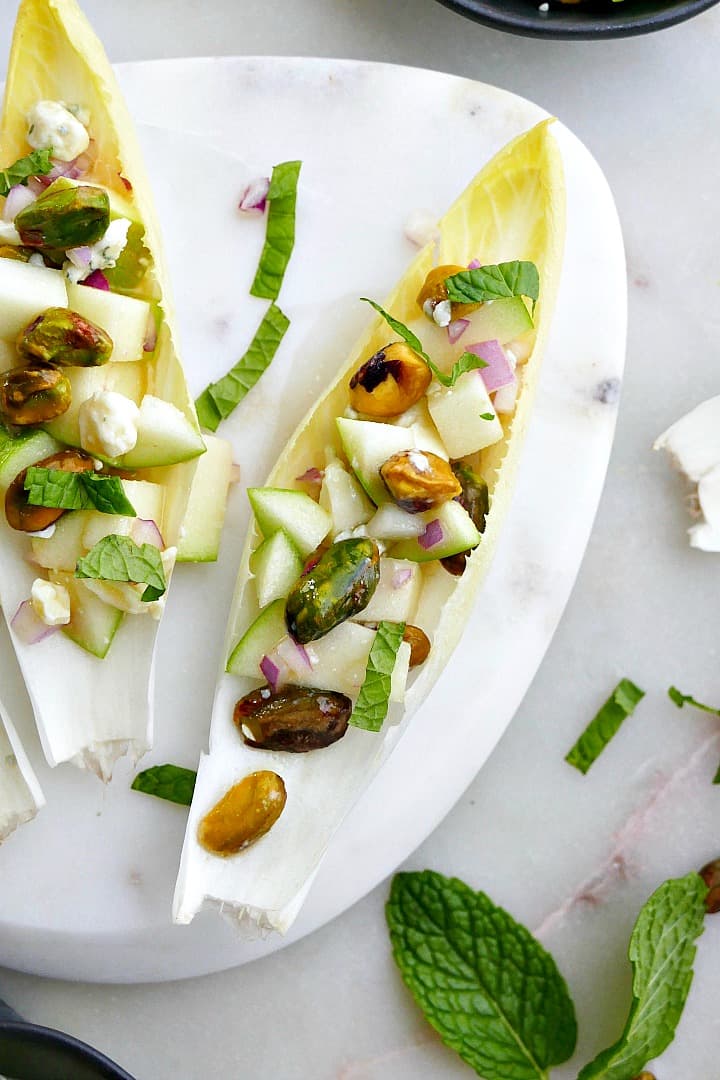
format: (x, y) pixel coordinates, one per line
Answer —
(370, 540)
(98, 433)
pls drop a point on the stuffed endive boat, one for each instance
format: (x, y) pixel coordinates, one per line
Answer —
(98, 433)
(20, 794)
(370, 540)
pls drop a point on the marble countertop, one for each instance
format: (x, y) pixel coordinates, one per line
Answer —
(572, 857)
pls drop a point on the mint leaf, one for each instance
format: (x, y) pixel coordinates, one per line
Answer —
(77, 491)
(487, 416)
(467, 362)
(118, 558)
(38, 163)
(604, 725)
(482, 980)
(681, 699)
(371, 707)
(170, 782)
(494, 282)
(662, 951)
(280, 231)
(221, 397)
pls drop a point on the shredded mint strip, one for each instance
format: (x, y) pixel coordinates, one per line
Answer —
(118, 558)
(280, 231)
(170, 782)
(467, 362)
(77, 491)
(604, 725)
(482, 980)
(38, 163)
(371, 707)
(219, 399)
(662, 951)
(500, 282)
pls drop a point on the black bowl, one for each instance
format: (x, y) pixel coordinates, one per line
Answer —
(594, 19)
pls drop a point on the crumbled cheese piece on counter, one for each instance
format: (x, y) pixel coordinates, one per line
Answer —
(108, 424)
(52, 125)
(693, 443)
(50, 602)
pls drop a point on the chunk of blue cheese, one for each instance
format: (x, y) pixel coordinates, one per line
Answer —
(693, 443)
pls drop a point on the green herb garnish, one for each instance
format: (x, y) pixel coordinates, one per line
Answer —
(604, 725)
(219, 399)
(494, 282)
(681, 699)
(467, 362)
(482, 980)
(170, 782)
(371, 707)
(662, 951)
(118, 558)
(280, 231)
(77, 491)
(487, 416)
(38, 163)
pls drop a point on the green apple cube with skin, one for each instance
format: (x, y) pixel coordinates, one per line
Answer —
(460, 413)
(205, 514)
(165, 436)
(126, 379)
(259, 639)
(424, 432)
(391, 522)
(458, 534)
(276, 564)
(505, 321)
(396, 597)
(98, 527)
(338, 661)
(344, 499)
(306, 523)
(21, 451)
(124, 318)
(367, 446)
(26, 290)
(62, 549)
(93, 623)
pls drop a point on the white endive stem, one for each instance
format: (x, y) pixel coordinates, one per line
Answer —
(20, 794)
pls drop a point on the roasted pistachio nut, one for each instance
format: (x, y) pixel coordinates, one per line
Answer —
(32, 395)
(66, 218)
(419, 480)
(18, 511)
(711, 876)
(475, 499)
(340, 585)
(434, 292)
(295, 719)
(61, 336)
(390, 382)
(19, 254)
(419, 644)
(245, 813)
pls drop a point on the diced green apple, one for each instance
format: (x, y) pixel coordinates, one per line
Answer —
(464, 415)
(147, 500)
(390, 522)
(165, 436)
(344, 499)
(367, 446)
(306, 523)
(124, 318)
(396, 596)
(18, 452)
(127, 379)
(26, 290)
(259, 639)
(276, 564)
(456, 533)
(99, 526)
(93, 623)
(339, 662)
(205, 514)
(499, 320)
(62, 550)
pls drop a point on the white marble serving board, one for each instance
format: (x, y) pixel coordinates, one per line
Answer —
(87, 887)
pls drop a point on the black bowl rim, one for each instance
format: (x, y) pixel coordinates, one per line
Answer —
(557, 26)
(44, 1035)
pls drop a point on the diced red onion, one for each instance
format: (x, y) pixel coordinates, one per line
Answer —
(80, 256)
(311, 476)
(150, 334)
(456, 329)
(400, 578)
(498, 371)
(97, 280)
(71, 170)
(125, 182)
(292, 655)
(18, 197)
(37, 184)
(235, 473)
(254, 197)
(432, 536)
(145, 531)
(28, 626)
(474, 264)
(271, 672)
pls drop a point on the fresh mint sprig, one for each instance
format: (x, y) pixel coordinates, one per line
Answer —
(118, 558)
(681, 700)
(77, 491)
(373, 701)
(604, 725)
(170, 782)
(500, 281)
(38, 163)
(279, 231)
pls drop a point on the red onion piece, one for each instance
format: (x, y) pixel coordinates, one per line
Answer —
(72, 170)
(150, 335)
(456, 329)
(311, 476)
(28, 626)
(474, 264)
(80, 256)
(271, 672)
(18, 197)
(498, 371)
(37, 184)
(145, 531)
(254, 197)
(97, 280)
(300, 652)
(432, 536)
(125, 182)
(235, 473)
(400, 578)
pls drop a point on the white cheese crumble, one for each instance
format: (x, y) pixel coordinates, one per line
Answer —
(104, 254)
(693, 443)
(442, 313)
(50, 602)
(52, 125)
(108, 424)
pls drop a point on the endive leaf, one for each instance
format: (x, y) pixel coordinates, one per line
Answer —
(20, 794)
